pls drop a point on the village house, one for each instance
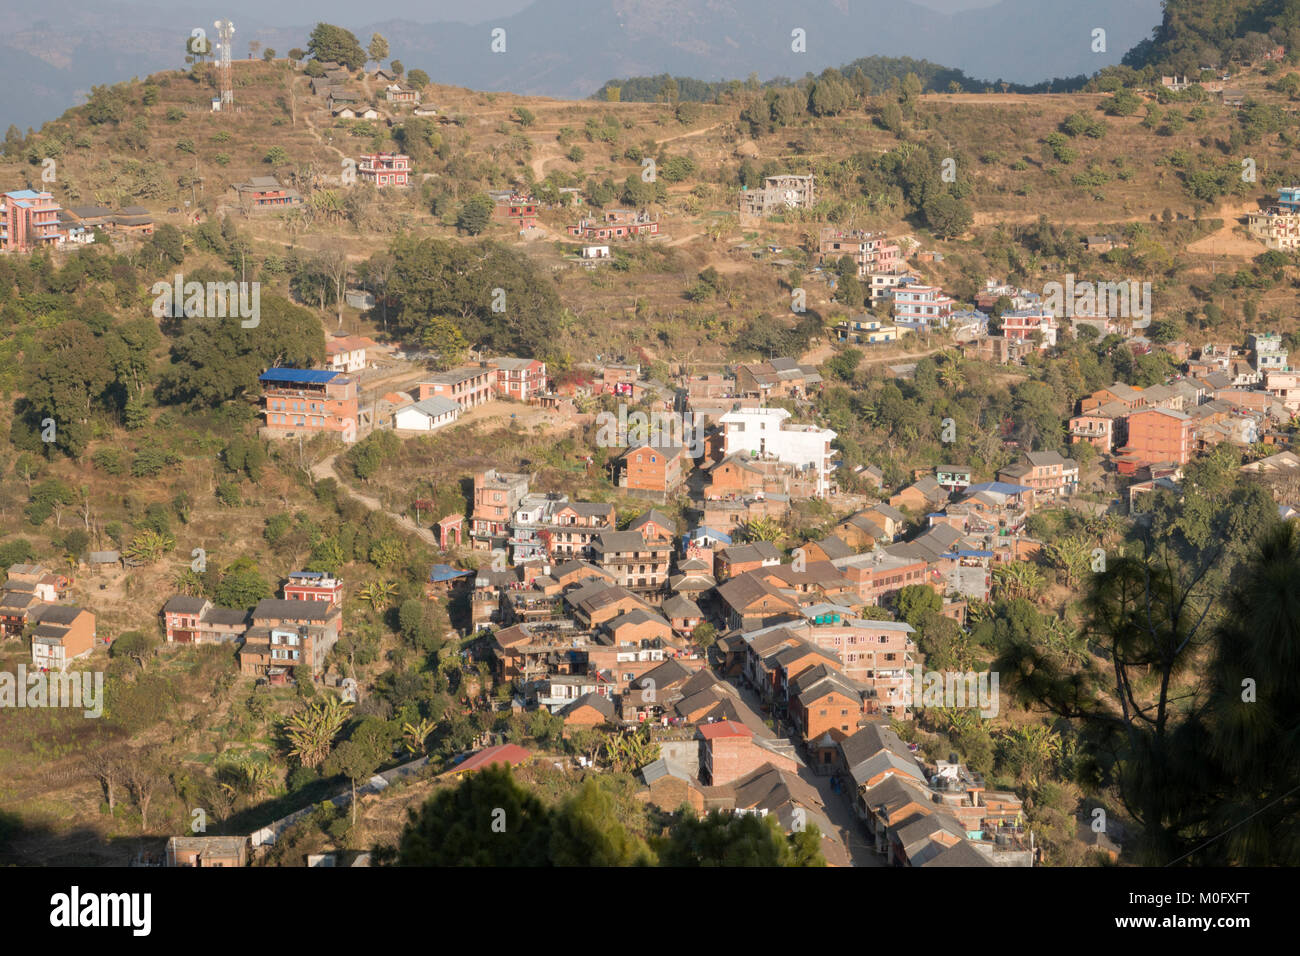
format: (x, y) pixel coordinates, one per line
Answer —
(401, 94)
(287, 635)
(266, 194)
(1048, 473)
(921, 307)
(521, 379)
(617, 224)
(575, 526)
(385, 169)
(193, 620)
(347, 353)
(655, 469)
(1029, 328)
(741, 558)
(62, 633)
(765, 432)
(637, 563)
(518, 210)
(469, 386)
(871, 251)
(426, 415)
(225, 851)
(496, 496)
(298, 402)
(778, 378)
(778, 193)
(28, 220)
(1156, 435)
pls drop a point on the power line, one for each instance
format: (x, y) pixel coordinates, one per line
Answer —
(1234, 826)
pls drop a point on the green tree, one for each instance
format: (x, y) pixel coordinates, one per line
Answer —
(378, 49)
(723, 839)
(328, 42)
(474, 215)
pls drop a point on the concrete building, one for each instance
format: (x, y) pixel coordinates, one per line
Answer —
(765, 433)
(305, 402)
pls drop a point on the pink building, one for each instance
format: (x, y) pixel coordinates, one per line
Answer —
(872, 251)
(28, 219)
(314, 586)
(921, 306)
(519, 378)
(385, 169)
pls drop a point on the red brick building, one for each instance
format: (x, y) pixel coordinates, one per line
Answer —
(307, 402)
(385, 169)
(1159, 434)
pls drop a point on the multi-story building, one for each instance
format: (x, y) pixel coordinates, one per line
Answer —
(618, 224)
(63, 633)
(658, 469)
(1047, 472)
(313, 586)
(298, 402)
(194, 620)
(866, 329)
(1267, 352)
(497, 495)
(764, 432)
(777, 378)
(28, 220)
(531, 527)
(778, 193)
(638, 564)
(921, 307)
(287, 636)
(520, 211)
(1021, 326)
(468, 387)
(385, 169)
(1158, 435)
(575, 526)
(519, 378)
(873, 252)
(1278, 226)
(1103, 428)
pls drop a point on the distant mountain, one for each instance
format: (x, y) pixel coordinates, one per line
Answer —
(569, 48)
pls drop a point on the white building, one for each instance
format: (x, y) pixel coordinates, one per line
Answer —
(426, 415)
(764, 432)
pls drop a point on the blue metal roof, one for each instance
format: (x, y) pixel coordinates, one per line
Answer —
(999, 487)
(445, 572)
(312, 376)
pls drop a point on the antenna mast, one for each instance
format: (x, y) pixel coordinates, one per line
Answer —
(226, 32)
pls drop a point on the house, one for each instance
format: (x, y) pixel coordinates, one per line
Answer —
(1048, 473)
(658, 469)
(765, 433)
(266, 194)
(63, 633)
(1158, 434)
(750, 602)
(871, 251)
(729, 750)
(133, 221)
(207, 851)
(354, 111)
(617, 224)
(1234, 98)
(636, 562)
(298, 402)
(921, 307)
(777, 378)
(1035, 328)
(683, 614)
(866, 329)
(521, 379)
(28, 220)
(287, 635)
(497, 495)
(506, 755)
(313, 586)
(385, 169)
(779, 193)
(1278, 226)
(193, 620)
(469, 386)
(347, 353)
(589, 710)
(952, 477)
(514, 208)
(426, 415)
(741, 558)
(921, 496)
(400, 93)
(824, 701)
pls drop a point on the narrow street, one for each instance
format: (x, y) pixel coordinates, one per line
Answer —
(838, 808)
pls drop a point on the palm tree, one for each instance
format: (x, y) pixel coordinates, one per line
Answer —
(378, 594)
(311, 731)
(1018, 579)
(415, 735)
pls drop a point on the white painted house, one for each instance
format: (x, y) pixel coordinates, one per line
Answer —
(426, 415)
(764, 433)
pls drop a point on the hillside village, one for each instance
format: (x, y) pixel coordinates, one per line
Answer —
(737, 500)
